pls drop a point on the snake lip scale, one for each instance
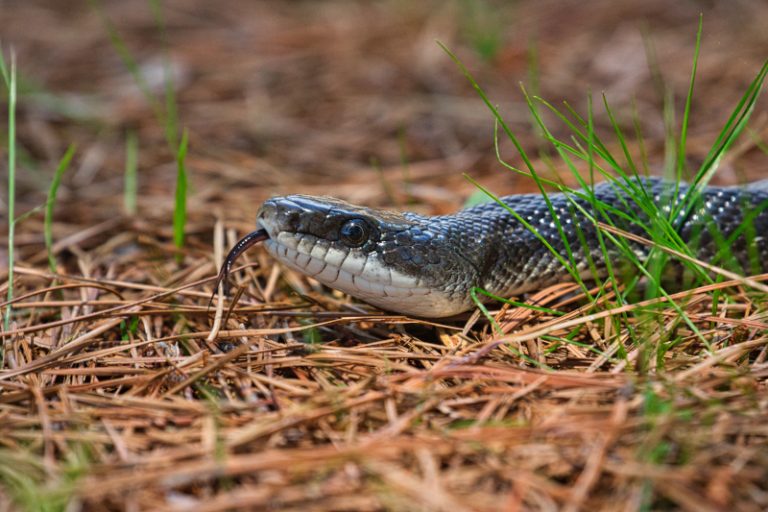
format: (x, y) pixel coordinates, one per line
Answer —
(426, 266)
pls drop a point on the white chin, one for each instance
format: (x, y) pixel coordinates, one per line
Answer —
(363, 277)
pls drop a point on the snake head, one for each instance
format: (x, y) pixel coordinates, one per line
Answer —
(397, 261)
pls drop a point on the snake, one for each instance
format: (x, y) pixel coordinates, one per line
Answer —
(428, 266)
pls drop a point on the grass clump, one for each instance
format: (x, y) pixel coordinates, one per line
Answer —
(661, 227)
(166, 113)
(36, 486)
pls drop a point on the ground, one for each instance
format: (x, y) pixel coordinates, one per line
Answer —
(114, 394)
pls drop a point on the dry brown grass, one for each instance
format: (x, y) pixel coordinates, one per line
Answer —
(115, 392)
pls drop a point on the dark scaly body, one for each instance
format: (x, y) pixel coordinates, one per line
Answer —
(426, 266)
(511, 259)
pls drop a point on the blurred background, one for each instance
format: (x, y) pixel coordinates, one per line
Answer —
(352, 99)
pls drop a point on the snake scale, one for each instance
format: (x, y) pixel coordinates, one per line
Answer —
(426, 266)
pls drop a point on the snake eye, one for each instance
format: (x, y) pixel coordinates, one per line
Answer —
(354, 232)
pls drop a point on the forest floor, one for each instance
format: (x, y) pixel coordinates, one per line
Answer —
(115, 394)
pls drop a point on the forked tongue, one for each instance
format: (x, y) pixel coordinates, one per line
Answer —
(240, 247)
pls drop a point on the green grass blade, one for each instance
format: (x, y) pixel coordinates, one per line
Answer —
(670, 140)
(479, 291)
(758, 141)
(732, 130)
(130, 190)
(504, 163)
(621, 138)
(599, 147)
(733, 127)
(539, 182)
(180, 204)
(9, 77)
(51, 202)
(4, 70)
(688, 99)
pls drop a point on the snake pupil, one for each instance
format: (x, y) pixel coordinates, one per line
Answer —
(354, 233)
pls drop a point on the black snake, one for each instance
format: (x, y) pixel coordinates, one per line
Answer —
(426, 266)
